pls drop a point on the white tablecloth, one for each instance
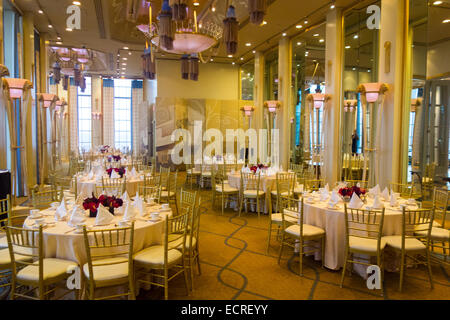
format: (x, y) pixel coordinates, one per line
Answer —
(132, 185)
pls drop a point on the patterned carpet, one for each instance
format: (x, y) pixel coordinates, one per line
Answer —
(234, 266)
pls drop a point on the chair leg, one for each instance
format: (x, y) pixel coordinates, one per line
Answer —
(186, 275)
(281, 248)
(240, 206)
(301, 259)
(344, 268)
(268, 237)
(191, 273)
(402, 271)
(166, 284)
(198, 263)
(257, 205)
(223, 202)
(323, 251)
(429, 269)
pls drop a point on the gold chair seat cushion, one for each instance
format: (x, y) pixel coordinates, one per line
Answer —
(253, 193)
(277, 218)
(274, 193)
(165, 194)
(154, 256)
(53, 269)
(437, 234)
(298, 190)
(365, 245)
(178, 243)
(226, 189)
(3, 241)
(5, 258)
(116, 272)
(411, 244)
(308, 231)
(436, 224)
(206, 174)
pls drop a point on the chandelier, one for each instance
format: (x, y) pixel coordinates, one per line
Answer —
(178, 31)
(71, 62)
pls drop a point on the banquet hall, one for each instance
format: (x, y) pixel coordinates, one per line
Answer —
(224, 150)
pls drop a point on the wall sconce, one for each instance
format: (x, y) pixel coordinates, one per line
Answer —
(96, 115)
(350, 105)
(372, 91)
(318, 99)
(272, 105)
(17, 86)
(248, 110)
(48, 99)
(60, 104)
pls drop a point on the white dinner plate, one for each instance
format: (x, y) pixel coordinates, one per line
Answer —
(335, 208)
(36, 217)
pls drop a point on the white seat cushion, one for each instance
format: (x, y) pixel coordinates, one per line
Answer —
(411, 244)
(154, 256)
(436, 224)
(308, 230)
(5, 258)
(253, 193)
(165, 194)
(276, 217)
(226, 188)
(366, 245)
(3, 241)
(54, 269)
(206, 174)
(437, 234)
(116, 273)
(284, 194)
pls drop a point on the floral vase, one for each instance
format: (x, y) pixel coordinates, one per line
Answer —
(111, 210)
(92, 213)
(346, 198)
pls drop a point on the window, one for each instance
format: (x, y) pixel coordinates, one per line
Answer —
(85, 117)
(247, 77)
(122, 114)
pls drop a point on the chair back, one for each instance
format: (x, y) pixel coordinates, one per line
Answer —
(285, 181)
(405, 190)
(413, 221)
(441, 204)
(172, 182)
(291, 210)
(188, 201)
(364, 224)
(116, 245)
(152, 181)
(164, 174)
(43, 199)
(153, 192)
(112, 186)
(363, 184)
(250, 181)
(314, 184)
(5, 213)
(175, 229)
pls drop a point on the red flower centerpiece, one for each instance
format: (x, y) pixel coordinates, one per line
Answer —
(93, 203)
(347, 192)
(121, 171)
(104, 149)
(258, 166)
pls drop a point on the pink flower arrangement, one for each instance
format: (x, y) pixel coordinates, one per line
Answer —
(93, 203)
(258, 166)
(348, 191)
(121, 171)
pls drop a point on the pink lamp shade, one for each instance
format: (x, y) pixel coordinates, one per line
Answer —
(372, 90)
(48, 99)
(248, 110)
(318, 99)
(17, 86)
(272, 105)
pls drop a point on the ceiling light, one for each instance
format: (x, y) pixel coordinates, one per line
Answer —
(332, 6)
(124, 69)
(248, 44)
(213, 9)
(129, 53)
(230, 56)
(50, 26)
(242, 58)
(306, 53)
(58, 42)
(254, 51)
(368, 70)
(306, 21)
(125, 48)
(347, 47)
(284, 34)
(446, 21)
(124, 64)
(299, 26)
(40, 11)
(58, 37)
(353, 68)
(355, 36)
(211, 60)
(264, 23)
(299, 43)
(69, 29)
(322, 40)
(436, 3)
(124, 58)
(233, 63)
(316, 35)
(77, 3)
(196, 3)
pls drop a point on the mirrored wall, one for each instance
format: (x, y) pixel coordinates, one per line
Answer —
(247, 80)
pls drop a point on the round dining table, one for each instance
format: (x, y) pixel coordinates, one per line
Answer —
(88, 185)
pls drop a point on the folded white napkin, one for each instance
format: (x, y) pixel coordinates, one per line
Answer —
(138, 204)
(125, 197)
(77, 216)
(375, 191)
(114, 174)
(385, 194)
(377, 203)
(129, 212)
(104, 217)
(133, 173)
(90, 176)
(324, 195)
(61, 211)
(355, 202)
(393, 200)
(334, 198)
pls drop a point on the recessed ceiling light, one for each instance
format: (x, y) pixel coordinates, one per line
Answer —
(211, 60)
(196, 3)
(58, 37)
(316, 35)
(242, 58)
(248, 44)
(446, 21)
(347, 47)
(58, 42)
(124, 64)
(254, 51)
(129, 53)
(40, 11)
(233, 63)
(125, 48)
(125, 58)
(299, 43)
(322, 40)
(77, 3)
(264, 23)
(124, 69)
(69, 29)
(355, 36)
(50, 26)
(230, 56)
(306, 21)
(299, 26)
(368, 70)
(436, 3)
(213, 9)
(332, 6)
(284, 34)
(353, 68)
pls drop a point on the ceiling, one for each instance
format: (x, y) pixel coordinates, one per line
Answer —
(105, 29)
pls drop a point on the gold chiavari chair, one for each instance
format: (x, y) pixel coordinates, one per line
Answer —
(171, 189)
(5, 215)
(362, 184)
(164, 174)
(416, 224)
(221, 187)
(299, 232)
(314, 184)
(205, 174)
(31, 269)
(405, 190)
(146, 169)
(363, 235)
(153, 192)
(187, 201)
(43, 199)
(114, 186)
(191, 175)
(284, 187)
(250, 190)
(109, 260)
(297, 168)
(159, 259)
(440, 232)
(153, 180)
